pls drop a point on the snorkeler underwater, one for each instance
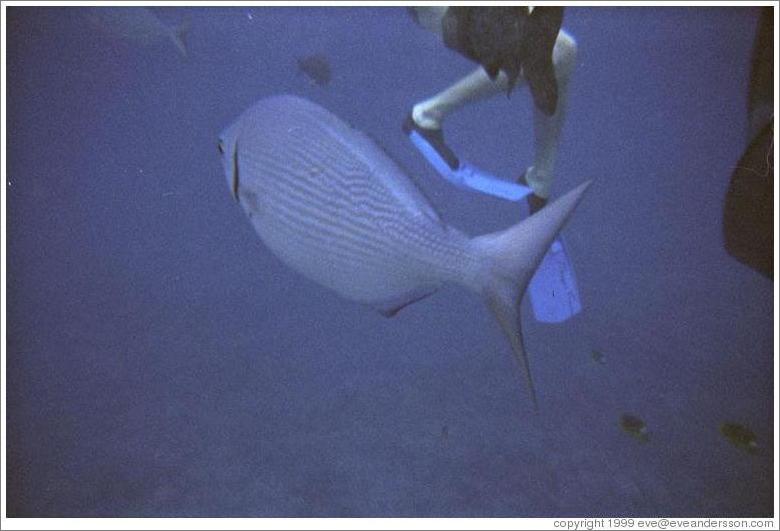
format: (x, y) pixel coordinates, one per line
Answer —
(389, 262)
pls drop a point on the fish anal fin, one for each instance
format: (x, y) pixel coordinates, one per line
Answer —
(391, 308)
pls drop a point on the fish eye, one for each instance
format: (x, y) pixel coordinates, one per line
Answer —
(221, 147)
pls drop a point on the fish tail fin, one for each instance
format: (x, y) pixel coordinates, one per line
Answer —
(511, 257)
(179, 36)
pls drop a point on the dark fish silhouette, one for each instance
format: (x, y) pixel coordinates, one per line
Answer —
(748, 209)
(635, 427)
(316, 67)
(598, 357)
(740, 436)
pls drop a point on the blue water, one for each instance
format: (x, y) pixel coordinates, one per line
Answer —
(161, 362)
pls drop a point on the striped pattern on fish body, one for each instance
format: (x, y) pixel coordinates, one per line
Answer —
(332, 205)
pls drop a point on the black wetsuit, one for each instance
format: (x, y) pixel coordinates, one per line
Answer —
(512, 40)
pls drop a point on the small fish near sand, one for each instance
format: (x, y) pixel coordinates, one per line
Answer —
(635, 427)
(740, 436)
(138, 25)
(598, 357)
(333, 206)
(317, 69)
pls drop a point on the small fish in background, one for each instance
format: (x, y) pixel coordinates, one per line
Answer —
(598, 357)
(635, 427)
(138, 25)
(316, 67)
(740, 436)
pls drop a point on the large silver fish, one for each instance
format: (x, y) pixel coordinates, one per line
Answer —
(139, 25)
(333, 206)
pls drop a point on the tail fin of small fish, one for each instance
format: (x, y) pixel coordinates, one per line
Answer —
(179, 36)
(513, 256)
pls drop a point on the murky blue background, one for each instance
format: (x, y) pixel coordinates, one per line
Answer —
(162, 362)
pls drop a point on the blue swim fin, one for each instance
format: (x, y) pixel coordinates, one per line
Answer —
(434, 157)
(553, 288)
(474, 178)
(430, 144)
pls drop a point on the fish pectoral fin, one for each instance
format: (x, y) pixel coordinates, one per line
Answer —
(390, 308)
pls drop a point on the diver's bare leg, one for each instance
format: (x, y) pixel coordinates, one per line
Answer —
(547, 129)
(476, 86)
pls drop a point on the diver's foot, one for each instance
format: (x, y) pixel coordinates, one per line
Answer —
(434, 138)
(535, 203)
